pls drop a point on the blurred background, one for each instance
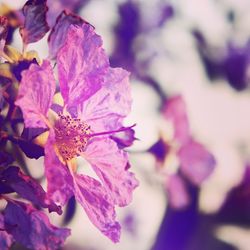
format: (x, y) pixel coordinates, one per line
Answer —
(199, 51)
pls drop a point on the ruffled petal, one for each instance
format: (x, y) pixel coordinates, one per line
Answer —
(107, 108)
(175, 112)
(35, 94)
(196, 163)
(35, 24)
(56, 7)
(110, 164)
(59, 180)
(32, 228)
(58, 34)
(95, 201)
(82, 64)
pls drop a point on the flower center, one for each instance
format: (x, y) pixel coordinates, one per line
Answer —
(71, 136)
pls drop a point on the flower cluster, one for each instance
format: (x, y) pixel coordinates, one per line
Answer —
(82, 119)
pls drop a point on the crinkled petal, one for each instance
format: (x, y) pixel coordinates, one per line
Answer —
(58, 34)
(35, 94)
(59, 180)
(110, 164)
(35, 24)
(176, 188)
(196, 163)
(175, 112)
(82, 64)
(27, 188)
(95, 201)
(32, 228)
(56, 7)
(6, 239)
(107, 108)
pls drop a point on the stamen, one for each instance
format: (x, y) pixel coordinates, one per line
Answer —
(72, 135)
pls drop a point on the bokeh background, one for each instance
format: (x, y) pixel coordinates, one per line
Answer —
(199, 49)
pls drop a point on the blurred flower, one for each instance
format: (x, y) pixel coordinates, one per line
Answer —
(181, 159)
(95, 100)
(134, 21)
(230, 62)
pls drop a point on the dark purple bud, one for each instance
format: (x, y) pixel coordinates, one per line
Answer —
(125, 138)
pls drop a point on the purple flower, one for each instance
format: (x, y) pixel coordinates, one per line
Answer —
(182, 159)
(96, 99)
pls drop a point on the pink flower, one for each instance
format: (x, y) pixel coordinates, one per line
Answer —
(96, 99)
(183, 160)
